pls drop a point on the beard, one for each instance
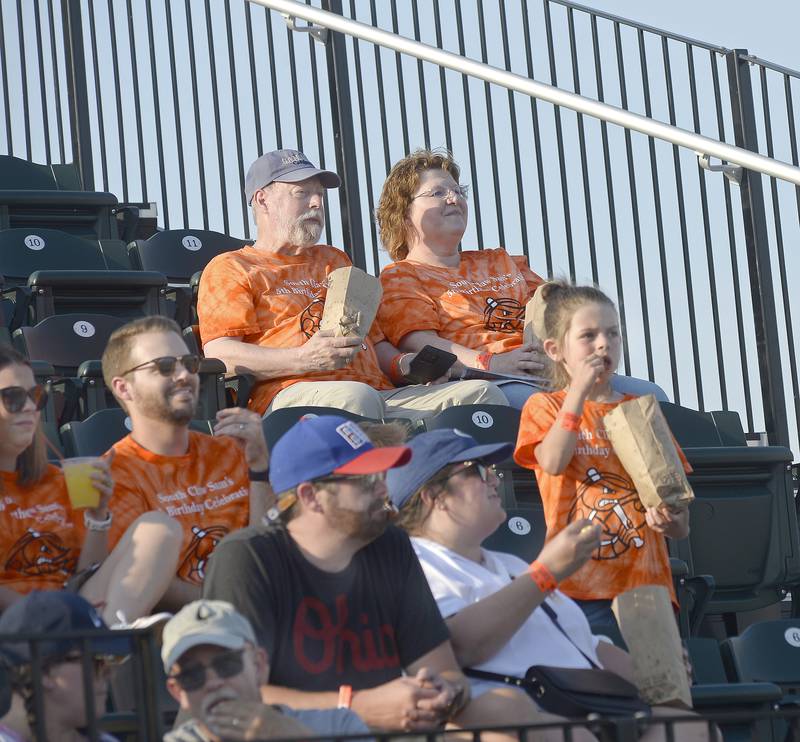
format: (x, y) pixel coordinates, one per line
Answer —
(306, 230)
(164, 407)
(364, 526)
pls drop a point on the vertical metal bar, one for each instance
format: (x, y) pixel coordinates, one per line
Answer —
(346, 160)
(249, 9)
(487, 93)
(662, 251)
(98, 98)
(758, 254)
(776, 218)
(676, 158)
(712, 282)
(176, 112)
(236, 119)
(523, 219)
(6, 104)
(787, 89)
(42, 87)
(298, 127)
(560, 144)
(470, 139)
(157, 113)
(537, 142)
(56, 77)
(196, 108)
(215, 98)
(23, 71)
(387, 158)
(37, 673)
(587, 197)
(426, 130)
(137, 104)
(273, 75)
(401, 87)
(362, 118)
(123, 159)
(737, 292)
(448, 134)
(77, 93)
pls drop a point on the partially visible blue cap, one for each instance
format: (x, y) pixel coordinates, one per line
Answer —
(55, 612)
(431, 452)
(315, 447)
(285, 166)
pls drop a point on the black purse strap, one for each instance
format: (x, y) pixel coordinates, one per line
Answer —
(496, 677)
(553, 616)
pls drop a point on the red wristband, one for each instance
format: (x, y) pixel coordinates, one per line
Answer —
(345, 697)
(395, 374)
(484, 360)
(543, 577)
(570, 422)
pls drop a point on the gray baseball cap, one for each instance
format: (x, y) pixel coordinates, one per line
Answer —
(285, 166)
(214, 622)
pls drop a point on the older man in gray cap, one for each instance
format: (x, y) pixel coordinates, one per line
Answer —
(260, 308)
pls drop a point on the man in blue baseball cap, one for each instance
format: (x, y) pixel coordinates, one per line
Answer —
(259, 310)
(334, 592)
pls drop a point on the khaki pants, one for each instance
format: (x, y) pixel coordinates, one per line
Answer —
(412, 402)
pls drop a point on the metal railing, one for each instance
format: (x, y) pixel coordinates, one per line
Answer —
(699, 264)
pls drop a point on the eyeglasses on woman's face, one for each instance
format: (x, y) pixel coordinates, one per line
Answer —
(15, 397)
(442, 193)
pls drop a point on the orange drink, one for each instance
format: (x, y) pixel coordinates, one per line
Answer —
(81, 489)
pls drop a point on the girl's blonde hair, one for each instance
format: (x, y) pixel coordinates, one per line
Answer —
(398, 191)
(32, 462)
(561, 300)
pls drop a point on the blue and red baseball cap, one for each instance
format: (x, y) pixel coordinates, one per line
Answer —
(316, 447)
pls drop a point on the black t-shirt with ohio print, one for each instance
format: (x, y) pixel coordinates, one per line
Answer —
(357, 627)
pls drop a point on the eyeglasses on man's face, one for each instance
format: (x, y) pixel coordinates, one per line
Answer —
(364, 481)
(224, 665)
(14, 397)
(441, 193)
(165, 365)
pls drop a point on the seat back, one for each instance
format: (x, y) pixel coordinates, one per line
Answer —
(66, 340)
(180, 253)
(279, 421)
(522, 534)
(487, 423)
(768, 651)
(23, 175)
(692, 429)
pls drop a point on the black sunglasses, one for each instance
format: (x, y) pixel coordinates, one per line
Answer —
(166, 364)
(225, 665)
(14, 397)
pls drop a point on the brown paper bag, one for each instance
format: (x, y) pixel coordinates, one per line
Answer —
(647, 623)
(353, 297)
(533, 330)
(643, 442)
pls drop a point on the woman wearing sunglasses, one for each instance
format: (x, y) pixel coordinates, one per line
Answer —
(448, 503)
(44, 543)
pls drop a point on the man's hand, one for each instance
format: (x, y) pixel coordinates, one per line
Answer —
(670, 521)
(407, 703)
(527, 359)
(569, 550)
(250, 720)
(245, 425)
(324, 352)
(103, 482)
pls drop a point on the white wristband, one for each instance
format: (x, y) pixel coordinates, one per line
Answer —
(97, 525)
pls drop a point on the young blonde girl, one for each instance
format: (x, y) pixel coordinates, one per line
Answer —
(563, 439)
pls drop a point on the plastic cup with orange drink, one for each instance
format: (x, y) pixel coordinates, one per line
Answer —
(78, 477)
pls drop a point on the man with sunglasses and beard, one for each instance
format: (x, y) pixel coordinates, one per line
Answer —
(215, 670)
(211, 485)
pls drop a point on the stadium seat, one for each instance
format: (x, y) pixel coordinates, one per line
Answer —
(522, 534)
(181, 254)
(279, 421)
(102, 429)
(34, 196)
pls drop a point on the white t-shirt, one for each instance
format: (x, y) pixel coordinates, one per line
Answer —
(457, 582)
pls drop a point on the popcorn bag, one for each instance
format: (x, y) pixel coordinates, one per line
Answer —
(643, 442)
(647, 623)
(353, 295)
(533, 329)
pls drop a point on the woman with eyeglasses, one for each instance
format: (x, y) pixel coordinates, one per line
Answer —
(470, 303)
(44, 543)
(500, 610)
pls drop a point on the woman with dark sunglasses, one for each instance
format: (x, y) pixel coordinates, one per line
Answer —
(498, 609)
(44, 543)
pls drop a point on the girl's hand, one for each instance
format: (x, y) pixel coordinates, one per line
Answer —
(670, 521)
(588, 372)
(104, 484)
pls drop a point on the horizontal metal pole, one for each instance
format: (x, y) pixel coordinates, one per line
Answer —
(556, 96)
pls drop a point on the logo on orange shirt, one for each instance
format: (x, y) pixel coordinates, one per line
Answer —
(611, 501)
(503, 315)
(37, 553)
(203, 543)
(311, 317)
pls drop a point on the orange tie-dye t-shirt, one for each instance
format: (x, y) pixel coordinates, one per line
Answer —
(276, 301)
(596, 487)
(207, 490)
(42, 536)
(480, 304)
